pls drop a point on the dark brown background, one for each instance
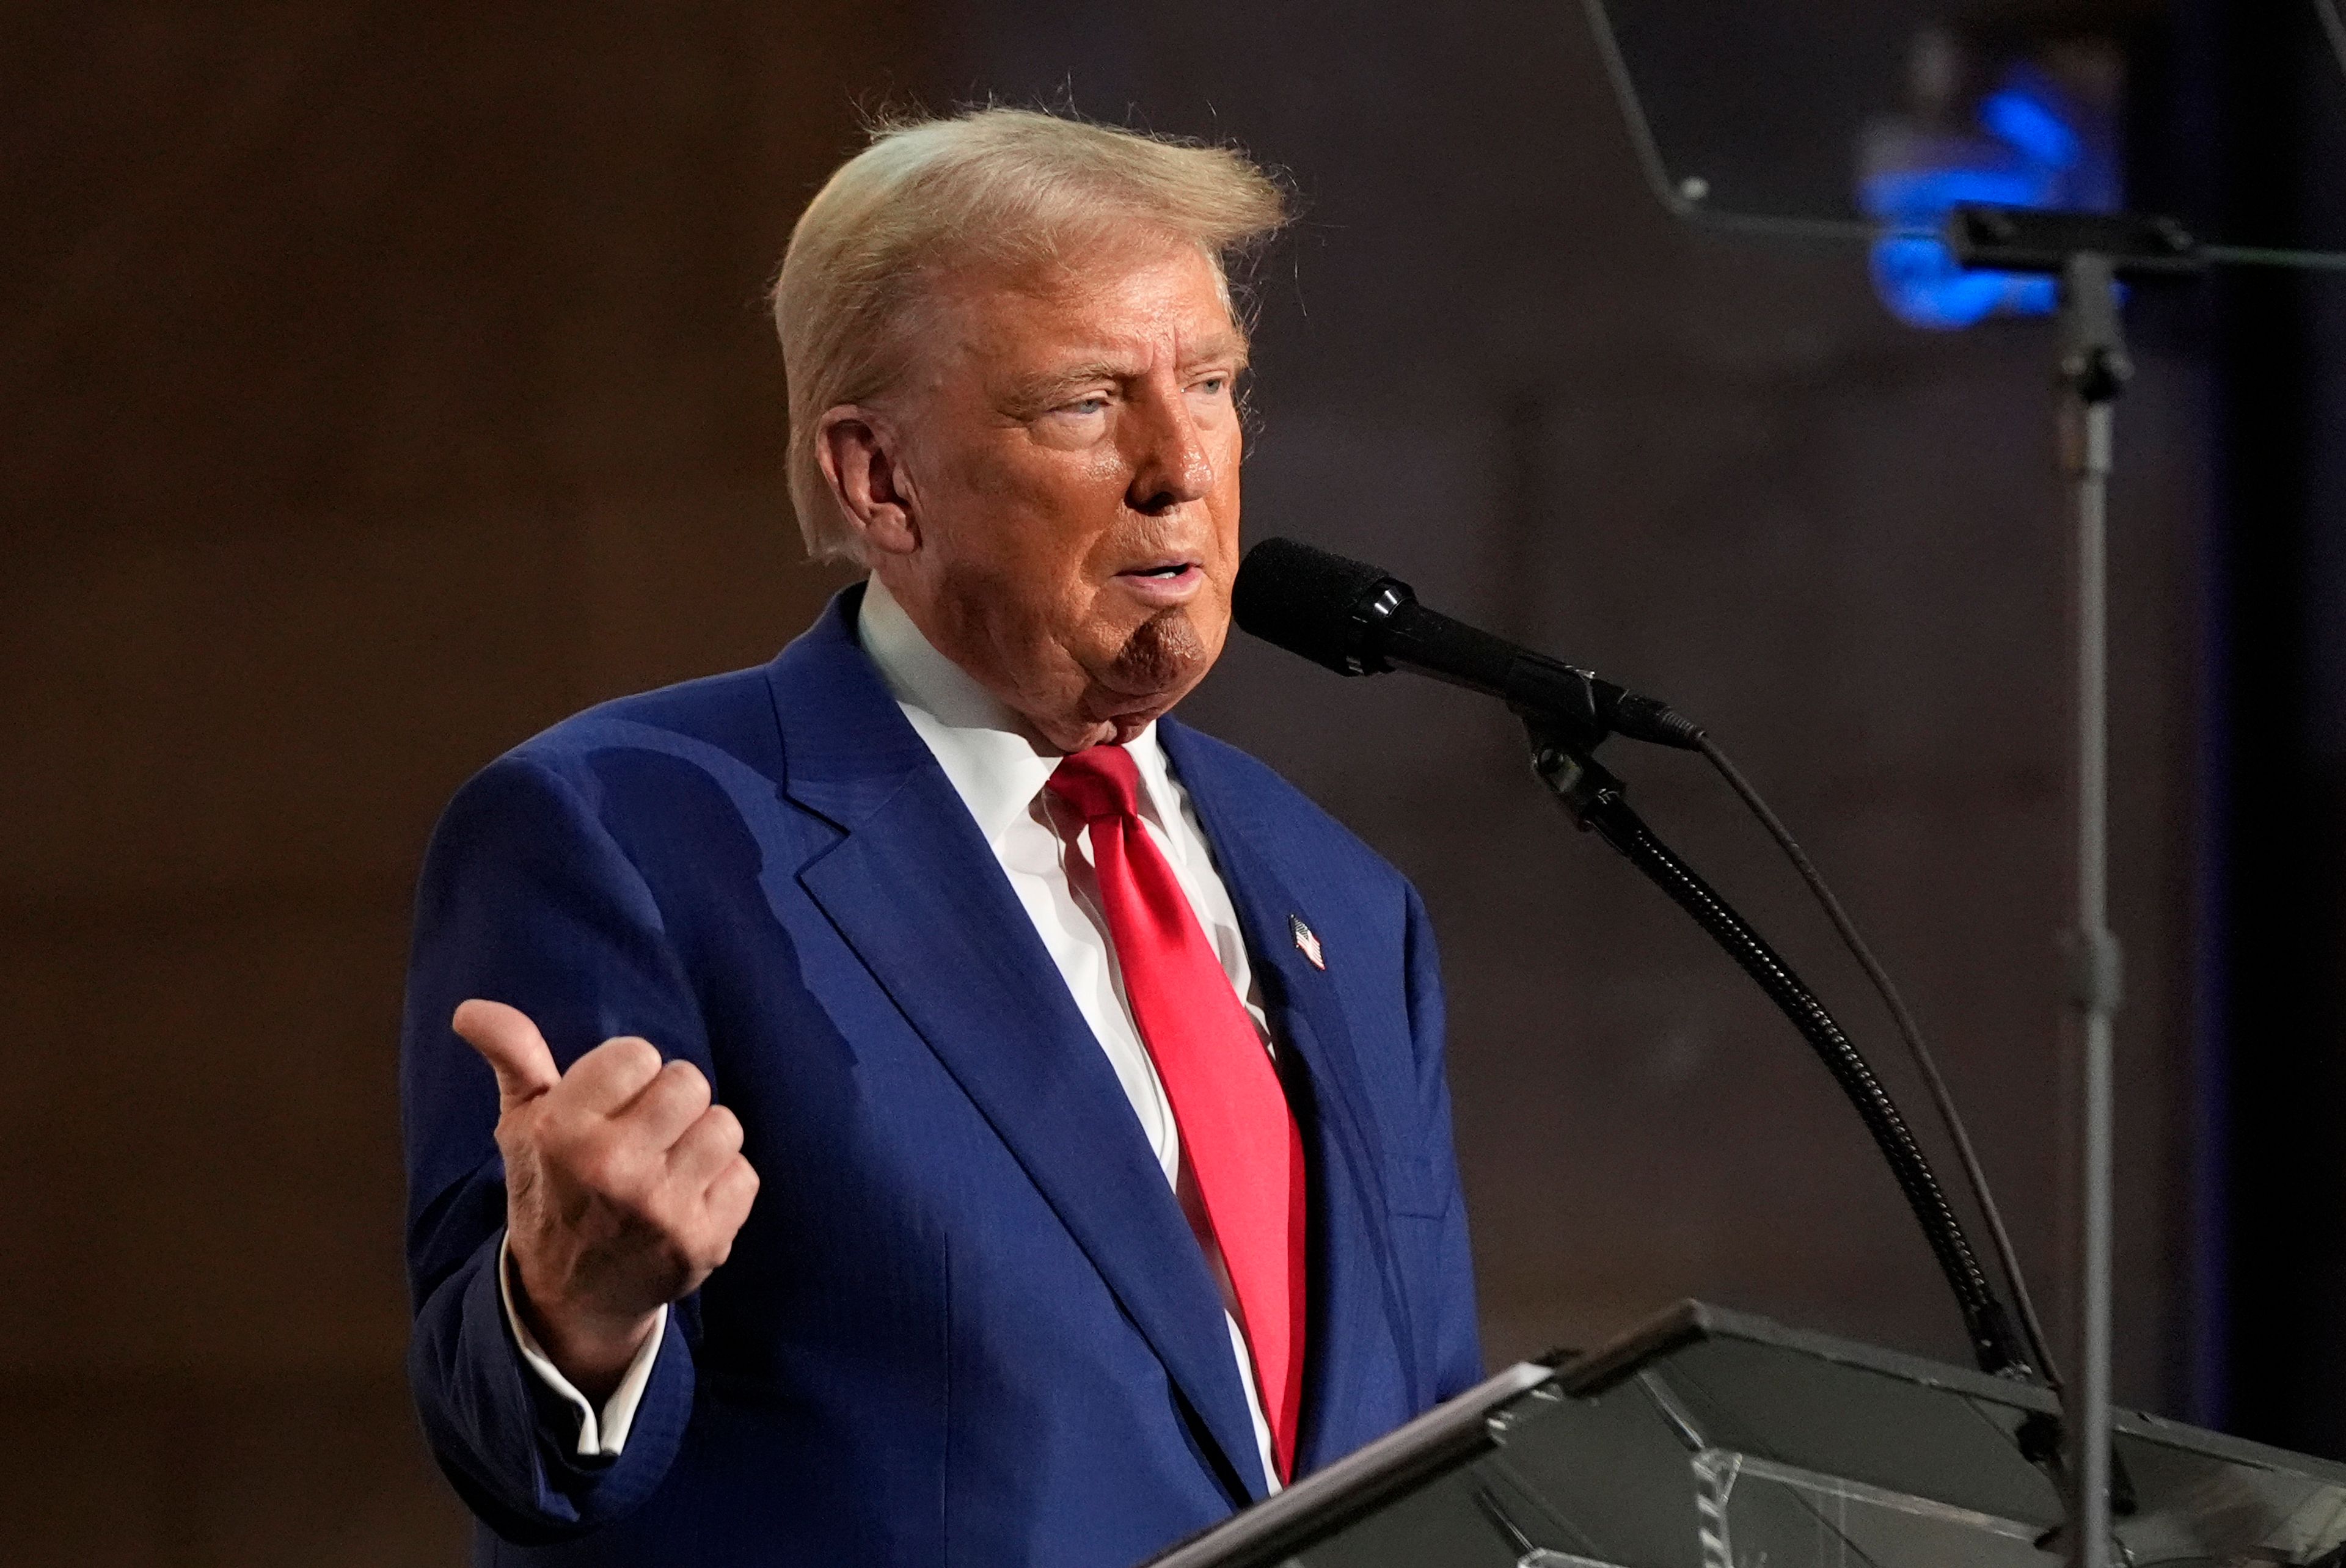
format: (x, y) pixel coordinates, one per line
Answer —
(382, 382)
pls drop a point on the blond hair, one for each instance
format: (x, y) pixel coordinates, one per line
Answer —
(993, 187)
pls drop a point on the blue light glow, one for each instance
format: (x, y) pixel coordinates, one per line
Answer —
(2034, 152)
(2025, 121)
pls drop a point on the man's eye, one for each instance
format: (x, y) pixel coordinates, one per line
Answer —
(1085, 405)
(1214, 386)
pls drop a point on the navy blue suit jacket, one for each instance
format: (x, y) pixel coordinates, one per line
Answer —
(965, 1322)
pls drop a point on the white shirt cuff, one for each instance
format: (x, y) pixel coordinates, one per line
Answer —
(599, 1437)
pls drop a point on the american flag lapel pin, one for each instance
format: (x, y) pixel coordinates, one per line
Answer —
(1306, 941)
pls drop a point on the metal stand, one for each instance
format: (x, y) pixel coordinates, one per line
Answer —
(2094, 371)
(2088, 252)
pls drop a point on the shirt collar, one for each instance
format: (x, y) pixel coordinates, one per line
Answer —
(994, 759)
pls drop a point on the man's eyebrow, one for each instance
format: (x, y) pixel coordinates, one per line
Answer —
(1047, 386)
(1221, 346)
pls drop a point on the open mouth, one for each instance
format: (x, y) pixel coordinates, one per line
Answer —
(1165, 572)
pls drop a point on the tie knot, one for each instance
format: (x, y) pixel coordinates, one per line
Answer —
(1100, 782)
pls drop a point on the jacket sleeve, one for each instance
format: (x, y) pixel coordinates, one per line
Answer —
(1455, 1342)
(526, 898)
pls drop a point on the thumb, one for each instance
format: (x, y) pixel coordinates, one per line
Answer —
(516, 1051)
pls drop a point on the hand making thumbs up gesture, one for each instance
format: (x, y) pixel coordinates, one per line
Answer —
(623, 1187)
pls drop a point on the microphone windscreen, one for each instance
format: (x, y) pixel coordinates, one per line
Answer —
(1307, 601)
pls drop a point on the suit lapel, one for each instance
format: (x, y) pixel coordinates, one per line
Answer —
(1357, 1277)
(917, 893)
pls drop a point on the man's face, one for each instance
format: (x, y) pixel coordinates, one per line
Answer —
(1065, 474)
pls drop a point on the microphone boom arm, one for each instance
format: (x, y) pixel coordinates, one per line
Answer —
(1596, 803)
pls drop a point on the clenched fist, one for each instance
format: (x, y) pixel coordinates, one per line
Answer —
(623, 1187)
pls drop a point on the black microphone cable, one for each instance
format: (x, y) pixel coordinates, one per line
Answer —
(1941, 1098)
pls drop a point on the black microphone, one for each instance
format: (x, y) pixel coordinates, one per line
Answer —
(1359, 619)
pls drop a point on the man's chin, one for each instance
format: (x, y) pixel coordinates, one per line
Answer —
(1161, 661)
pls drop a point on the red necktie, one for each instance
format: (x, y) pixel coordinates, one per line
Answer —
(1240, 1138)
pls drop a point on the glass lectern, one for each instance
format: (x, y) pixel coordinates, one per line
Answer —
(1713, 1439)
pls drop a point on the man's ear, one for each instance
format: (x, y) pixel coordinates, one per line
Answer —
(863, 460)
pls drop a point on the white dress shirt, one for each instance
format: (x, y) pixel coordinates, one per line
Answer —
(999, 766)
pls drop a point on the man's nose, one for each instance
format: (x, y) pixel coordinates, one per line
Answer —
(1170, 463)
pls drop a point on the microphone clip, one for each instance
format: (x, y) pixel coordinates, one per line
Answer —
(1589, 795)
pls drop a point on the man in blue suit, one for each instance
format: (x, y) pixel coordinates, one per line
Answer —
(912, 1102)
